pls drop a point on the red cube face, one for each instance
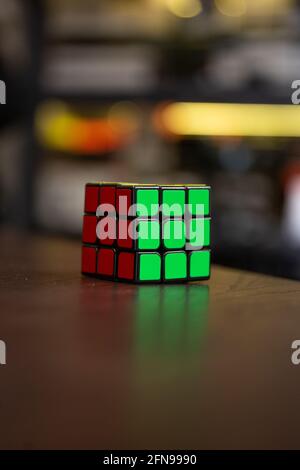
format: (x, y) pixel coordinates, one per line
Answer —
(108, 195)
(125, 239)
(126, 266)
(106, 262)
(88, 260)
(91, 198)
(124, 201)
(89, 234)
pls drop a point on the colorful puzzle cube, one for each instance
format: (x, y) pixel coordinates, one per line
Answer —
(146, 233)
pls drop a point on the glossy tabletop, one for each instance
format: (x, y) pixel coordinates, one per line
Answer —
(96, 364)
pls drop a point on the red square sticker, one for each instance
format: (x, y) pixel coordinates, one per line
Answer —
(126, 264)
(89, 234)
(107, 228)
(125, 234)
(124, 201)
(108, 196)
(91, 198)
(88, 259)
(106, 262)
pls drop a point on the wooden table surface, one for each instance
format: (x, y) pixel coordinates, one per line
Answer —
(93, 364)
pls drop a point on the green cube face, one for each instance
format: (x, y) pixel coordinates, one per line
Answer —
(149, 267)
(149, 198)
(174, 234)
(199, 232)
(173, 201)
(175, 266)
(199, 264)
(148, 235)
(199, 201)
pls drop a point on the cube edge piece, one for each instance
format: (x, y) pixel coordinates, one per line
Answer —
(141, 254)
(103, 275)
(173, 188)
(174, 280)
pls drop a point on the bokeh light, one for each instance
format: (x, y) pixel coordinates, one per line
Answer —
(231, 7)
(184, 8)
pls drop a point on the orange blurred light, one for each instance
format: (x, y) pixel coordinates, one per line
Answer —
(60, 129)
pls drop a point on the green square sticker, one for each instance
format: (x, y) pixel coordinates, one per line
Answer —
(199, 232)
(199, 264)
(174, 234)
(148, 234)
(175, 266)
(150, 267)
(198, 200)
(148, 200)
(173, 201)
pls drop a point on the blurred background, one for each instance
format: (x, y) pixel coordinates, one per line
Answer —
(165, 91)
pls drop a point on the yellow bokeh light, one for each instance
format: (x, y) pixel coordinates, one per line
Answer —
(231, 7)
(184, 8)
(231, 119)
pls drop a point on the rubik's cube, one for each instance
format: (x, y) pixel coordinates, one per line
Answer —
(146, 233)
